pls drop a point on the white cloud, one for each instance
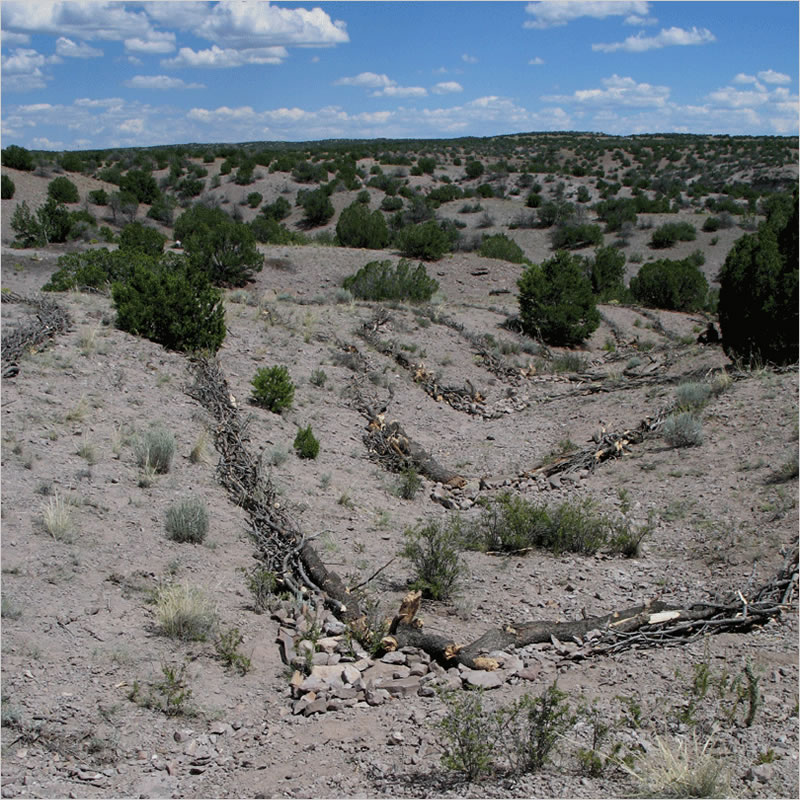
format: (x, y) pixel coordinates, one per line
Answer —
(134, 125)
(536, 62)
(617, 91)
(770, 76)
(43, 143)
(447, 87)
(468, 59)
(10, 38)
(744, 78)
(80, 20)
(160, 82)
(155, 42)
(639, 21)
(550, 13)
(22, 71)
(216, 57)
(401, 91)
(369, 80)
(668, 37)
(69, 49)
(232, 23)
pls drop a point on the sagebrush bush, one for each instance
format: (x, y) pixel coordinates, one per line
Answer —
(155, 450)
(184, 612)
(273, 388)
(434, 551)
(170, 302)
(683, 430)
(692, 396)
(379, 280)
(187, 521)
(306, 445)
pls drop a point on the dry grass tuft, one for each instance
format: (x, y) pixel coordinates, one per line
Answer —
(57, 518)
(184, 612)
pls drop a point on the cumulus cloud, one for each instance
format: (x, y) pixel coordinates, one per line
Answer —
(536, 62)
(155, 42)
(254, 25)
(217, 57)
(160, 82)
(369, 80)
(639, 21)
(550, 13)
(22, 70)
(468, 59)
(401, 91)
(616, 91)
(69, 49)
(10, 38)
(447, 87)
(770, 76)
(668, 37)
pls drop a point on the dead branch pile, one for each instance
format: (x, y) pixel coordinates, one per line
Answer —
(50, 319)
(282, 548)
(465, 399)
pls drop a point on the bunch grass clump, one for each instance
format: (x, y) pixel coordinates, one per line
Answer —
(184, 612)
(187, 521)
(692, 396)
(57, 518)
(155, 450)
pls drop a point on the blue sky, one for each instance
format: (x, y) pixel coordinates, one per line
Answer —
(82, 75)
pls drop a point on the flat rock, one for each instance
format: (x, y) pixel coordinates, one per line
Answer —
(396, 657)
(529, 673)
(403, 687)
(481, 679)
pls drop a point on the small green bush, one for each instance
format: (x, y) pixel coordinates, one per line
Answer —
(155, 450)
(712, 224)
(409, 484)
(16, 157)
(501, 246)
(187, 521)
(434, 553)
(574, 236)
(318, 208)
(270, 231)
(63, 190)
(306, 444)
(99, 197)
(379, 280)
(470, 734)
(391, 203)
(357, 227)
(7, 188)
(683, 430)
(93, 269)
(136, 236)
(670, 233)
(273, 388)
(672, 285)
(426, 241)
(254, 199)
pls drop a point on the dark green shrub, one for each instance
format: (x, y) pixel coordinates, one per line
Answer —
(485, 190)
(51, 223)
(187, 521)
(63, 190)
(608, 271)
(226, 251)
(672, 285)
(666, 235)
(391, 203)
(357, 227)
(379, 280)
(171, 303)
(556, 301)
(99, 197)
(94, 269)
(758, 302)
(363, 197)
(318, 208)
(471, 734)
(273, 388)
(136, 236)
(16, 157)
(7, 188)
(426, 241)
(534, 200)
(306, 445)
(270, 231)
(711, 224)
(142, 185)
(244, 175)
(409, 484)
(473, 169)
(574, 237)
(278, 210)
(254, 199)
(501, 246)
(538, 723)
(162, 209)
(434, 553)
(444, 194)
(427, 164)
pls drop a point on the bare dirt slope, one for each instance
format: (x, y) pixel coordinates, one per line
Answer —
(78, 621)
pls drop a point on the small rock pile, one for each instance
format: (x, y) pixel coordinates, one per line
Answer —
(332, 672)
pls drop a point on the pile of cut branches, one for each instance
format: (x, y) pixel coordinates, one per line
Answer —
(50, 319)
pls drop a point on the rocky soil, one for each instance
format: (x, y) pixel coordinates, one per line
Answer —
(79, 631)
